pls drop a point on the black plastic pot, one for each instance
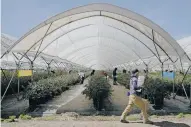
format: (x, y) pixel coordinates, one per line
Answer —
(98, 104)
(158, 102)
(64, 88)
(145, 96)
(151, 100)
(32, 104)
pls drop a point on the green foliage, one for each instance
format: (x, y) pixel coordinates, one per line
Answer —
(10, 119)
(50, 87)
(124, 79)
(154, 116)
(2, 119)
(187, 115)
(49, 118)
(156, 90)
(180, 115)
(24, 81)
(156, 86)
(98, 89)
(178, 81)
(25, 117)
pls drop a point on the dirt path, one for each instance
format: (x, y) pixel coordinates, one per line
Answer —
(157, 123)
(83, 105)
(51, 106)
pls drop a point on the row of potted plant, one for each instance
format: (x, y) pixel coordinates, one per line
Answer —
(124, 79)
(177, 83)
(43, 90)
(156, 89)
(6, 76)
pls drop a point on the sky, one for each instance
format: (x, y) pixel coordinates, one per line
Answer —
(19, 16)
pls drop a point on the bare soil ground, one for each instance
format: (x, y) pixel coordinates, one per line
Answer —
(99, 121)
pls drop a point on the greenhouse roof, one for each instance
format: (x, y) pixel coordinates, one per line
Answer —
(6, 42)
(9, 61)
(102, 36)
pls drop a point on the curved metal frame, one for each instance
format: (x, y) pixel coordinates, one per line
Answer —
(110, 9)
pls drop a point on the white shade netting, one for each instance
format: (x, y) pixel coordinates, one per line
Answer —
(102, 36)
(11, 61)
(6, 42)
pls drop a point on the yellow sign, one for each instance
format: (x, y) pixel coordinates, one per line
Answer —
(22, 73)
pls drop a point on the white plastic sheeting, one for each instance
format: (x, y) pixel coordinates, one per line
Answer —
(102, 36)
(6, 42)
(10, 61)
(185, 43)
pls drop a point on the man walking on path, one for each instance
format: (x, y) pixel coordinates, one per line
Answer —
(82, 77)
(134, 99)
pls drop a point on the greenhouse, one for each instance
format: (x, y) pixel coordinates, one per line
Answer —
(97, 37)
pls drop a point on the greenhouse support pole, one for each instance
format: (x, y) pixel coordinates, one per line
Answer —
(48, 68)
(173, 81)
(173, 88)
(190, 95)
(182, 83)
(18, 67)
(8, 86)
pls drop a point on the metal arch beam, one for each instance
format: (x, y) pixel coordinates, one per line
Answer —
(80, 49)
(53, 41)
(93, 55)
(134, 61)
(116, 57)
(134, 38)
(138, 39)
(96, 36)
(117, 29)
(100, 49)
(131, 26)
(90, 55)
(88, 59)
(42, 37)
(124, 63)
(51, 20)
(90, 25)
(115, 39)
(112, 48)
(147, 37)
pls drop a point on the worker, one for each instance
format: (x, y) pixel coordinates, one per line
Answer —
(135, 99)
(115, 76)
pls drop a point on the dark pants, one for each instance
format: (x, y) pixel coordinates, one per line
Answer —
(114, 80)
(82, 80)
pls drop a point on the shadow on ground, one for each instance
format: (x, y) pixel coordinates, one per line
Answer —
(170, 124)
